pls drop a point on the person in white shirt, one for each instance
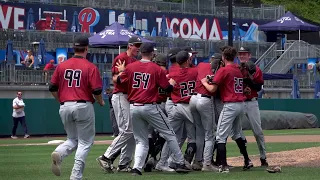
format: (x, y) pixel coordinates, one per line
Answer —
(18, 116)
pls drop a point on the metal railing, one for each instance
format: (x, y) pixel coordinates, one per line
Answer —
(306, 81)
(22, 40)
(9, 75)
(201, 7)
(269, 55)
(298, 51)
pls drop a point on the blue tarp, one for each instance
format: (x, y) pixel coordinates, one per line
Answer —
(277, 76)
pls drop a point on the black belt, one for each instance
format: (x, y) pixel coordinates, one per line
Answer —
(80, 101)
(253, 99)
(142, 104)
(204, 95)
(170, 98)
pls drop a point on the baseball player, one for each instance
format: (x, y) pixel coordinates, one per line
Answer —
(229, 79)
(253, 79)
(72, 84)
(202, 109)
(124, 142)
(156, 141)
(143, 78)
(193, 52)
(180, 114)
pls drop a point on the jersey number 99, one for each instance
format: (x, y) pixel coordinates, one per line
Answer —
(73, 75)
(141, 78)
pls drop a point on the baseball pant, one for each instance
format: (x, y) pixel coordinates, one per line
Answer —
(16, 121)
(79, 123)
(251, 110)
(115, 128)
(124, 142)
(180, 117)
(230, 122)
(144, 115)
(203, 114)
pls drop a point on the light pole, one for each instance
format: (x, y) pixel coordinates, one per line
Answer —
(230, 17)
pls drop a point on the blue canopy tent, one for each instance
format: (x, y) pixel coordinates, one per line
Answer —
(288, 22)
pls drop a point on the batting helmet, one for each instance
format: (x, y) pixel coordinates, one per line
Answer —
(160, 60)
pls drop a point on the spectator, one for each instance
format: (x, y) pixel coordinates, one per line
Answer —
(115, 128)
(28, 60)
(50, 66)
(18, 116)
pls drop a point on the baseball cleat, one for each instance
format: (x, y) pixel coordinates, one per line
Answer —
(105, 164)
(56, 163)
(136, 172)
(163, 168)
(26, 136)
(247, 165)
(124, 168)
(264, 163)
(182, 168)
(197, 165)
(149, 165)
(223, 169)
(210, 167)
(14, 137)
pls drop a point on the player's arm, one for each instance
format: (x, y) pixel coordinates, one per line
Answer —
(15, 105)
(123, 73)
(256, 82)
(96, 85)
(54, 84)
(164, 83)
(217, 80)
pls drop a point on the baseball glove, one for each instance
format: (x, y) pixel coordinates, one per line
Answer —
(160, 60)
(274, 169)
(251, 67)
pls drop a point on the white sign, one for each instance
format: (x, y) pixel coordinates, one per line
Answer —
(107, 32)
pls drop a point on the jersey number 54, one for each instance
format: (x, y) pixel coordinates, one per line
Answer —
(141, 79)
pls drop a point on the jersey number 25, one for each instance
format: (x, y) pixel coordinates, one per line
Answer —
(139, 78)
(238, 85)
(73, 75)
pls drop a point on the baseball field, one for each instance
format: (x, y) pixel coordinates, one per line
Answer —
(297, 151)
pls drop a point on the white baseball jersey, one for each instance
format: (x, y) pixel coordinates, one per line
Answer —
(18, 112)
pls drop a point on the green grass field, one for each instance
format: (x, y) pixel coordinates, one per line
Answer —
(33, 162)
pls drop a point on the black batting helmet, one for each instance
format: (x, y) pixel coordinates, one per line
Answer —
(160, 60)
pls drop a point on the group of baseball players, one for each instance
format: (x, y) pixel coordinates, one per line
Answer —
(158, 109)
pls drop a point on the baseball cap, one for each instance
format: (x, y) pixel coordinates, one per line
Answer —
(190, 50)
(135, 40)
(244, 50)
(182, 57)
(81, 41)
(173, 51)
(217, 56)
(146, 47)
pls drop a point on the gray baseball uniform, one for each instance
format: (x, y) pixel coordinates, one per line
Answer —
(202, 111)
(79, 123)
(251, 110)
(124, 142)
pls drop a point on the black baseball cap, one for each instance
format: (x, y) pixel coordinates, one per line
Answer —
(135, 40)
(173, 51)
(182, 57)
(244, 50)
(217, 56)
(190, 50)
(81, 41)
(146, 47)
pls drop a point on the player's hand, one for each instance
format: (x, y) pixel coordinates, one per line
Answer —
(247, 91)
(172, 82)
(102, 103)
(121, 66)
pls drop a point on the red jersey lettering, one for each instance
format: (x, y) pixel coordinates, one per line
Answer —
(257, 78)
(185, 84)
(230, 82)
(121, 57)
(204, 71)
(143, 79)
(76, 79)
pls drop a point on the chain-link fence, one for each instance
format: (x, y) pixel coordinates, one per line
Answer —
(216, 8)
(22, 41)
